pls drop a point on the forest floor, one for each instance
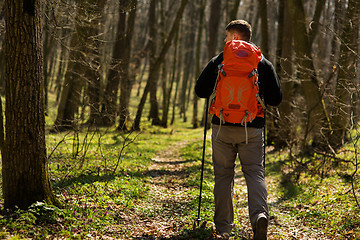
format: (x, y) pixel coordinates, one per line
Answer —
(112, 185)
(169, 187)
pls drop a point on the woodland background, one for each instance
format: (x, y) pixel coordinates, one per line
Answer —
(129, 63)
(98, 53)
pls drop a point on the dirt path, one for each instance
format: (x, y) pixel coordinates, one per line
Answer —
(167, 189)
(168, 175)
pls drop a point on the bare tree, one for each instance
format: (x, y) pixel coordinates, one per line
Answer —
(346, 78)
(157, 64)
(80, 65)
(315, 111)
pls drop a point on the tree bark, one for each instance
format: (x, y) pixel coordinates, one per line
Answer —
(93, 67)
(286, 121)
(264, 28)
(215, 10)
(24, 165)
(201, 9)
(157, 64)
(153, 39)
(127, 78)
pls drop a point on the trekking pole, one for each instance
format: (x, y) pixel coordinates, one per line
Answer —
(203, 157)
(264, 138)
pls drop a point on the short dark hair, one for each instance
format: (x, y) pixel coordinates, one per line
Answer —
(241, 27)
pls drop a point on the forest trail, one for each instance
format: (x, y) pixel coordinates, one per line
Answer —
(168, 188)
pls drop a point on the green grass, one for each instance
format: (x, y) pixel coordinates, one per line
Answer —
(98, 201)
(321, 196)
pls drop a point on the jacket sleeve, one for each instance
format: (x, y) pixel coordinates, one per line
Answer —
(270, 87)
(205, 83)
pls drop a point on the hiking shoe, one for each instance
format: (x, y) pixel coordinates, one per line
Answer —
(261, 227)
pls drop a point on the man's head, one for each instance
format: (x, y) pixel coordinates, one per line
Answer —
(238, 30)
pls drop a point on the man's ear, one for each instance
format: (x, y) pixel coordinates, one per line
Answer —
(236, 36)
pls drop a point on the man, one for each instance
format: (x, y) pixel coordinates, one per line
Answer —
(230, 140)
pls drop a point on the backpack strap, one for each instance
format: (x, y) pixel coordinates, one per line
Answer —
(213, 94)
(253, 73)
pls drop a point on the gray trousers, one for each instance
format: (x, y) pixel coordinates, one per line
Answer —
(228, 142)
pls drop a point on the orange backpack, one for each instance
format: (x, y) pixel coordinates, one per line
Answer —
(237, 90)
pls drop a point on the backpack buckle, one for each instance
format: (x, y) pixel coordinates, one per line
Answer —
(253, 73)
(220, 67)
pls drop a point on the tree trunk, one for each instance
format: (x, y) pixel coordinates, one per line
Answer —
(215, 13)
(24, 165)
(47, 46)
(167, 93)
(74, 76)
(126, 79)
(153, 36)
(346, 75)
(62, 65)
(93, 67)
(109, 106)
(188, 61)
(264, 28)
(178, 75)
(201, 9)
(339, 15)
(315, 109)
(315, 21)
(234, 10)
(2, 133)
(286, 121)
(157, 64)
(280, 34)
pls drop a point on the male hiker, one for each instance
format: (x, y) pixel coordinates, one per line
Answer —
(235, 131)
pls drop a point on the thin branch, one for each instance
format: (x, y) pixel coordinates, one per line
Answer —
(127, 142)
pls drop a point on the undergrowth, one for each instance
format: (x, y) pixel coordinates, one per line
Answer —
(107, 187)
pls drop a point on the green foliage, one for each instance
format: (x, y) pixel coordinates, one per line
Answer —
(318, 194)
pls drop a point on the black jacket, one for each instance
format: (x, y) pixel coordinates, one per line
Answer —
(269, 86)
